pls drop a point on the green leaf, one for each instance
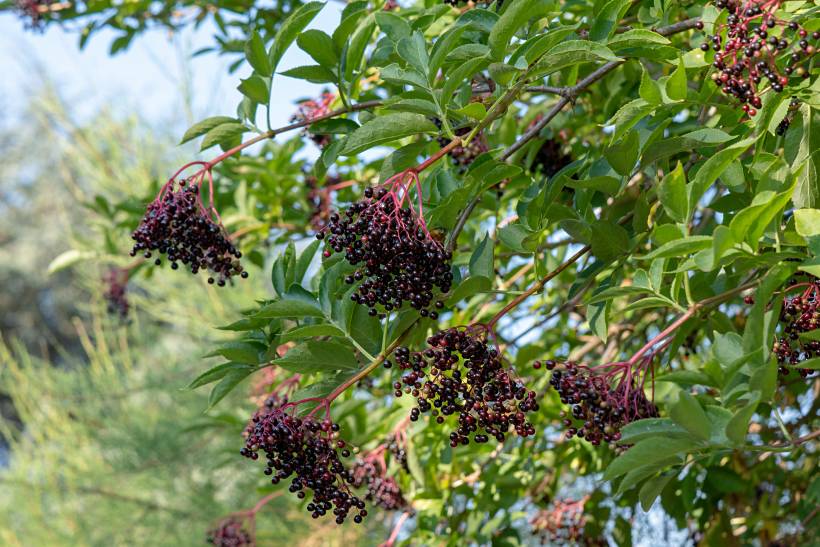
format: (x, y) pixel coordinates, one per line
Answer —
(647, 428)
(623, 156)
(629, 115)
(807, 222)
(289, 308)
(811, 364)
(240, 352)
(217, 373)
(227, 384)
(222, 133)
(672, 194)
(257, 56)
(319, 46)
(606, 19)
(310, 331)
(652, 488)
(637, 38)
(750, 223)
(609, 239)
(739, 424)
(358, 43)
(680, 247)
(68, 259)
(255, 88)
(688, 413)
(676, 85)
(646, 452)
(481, 261)
(714, 166)
(385, 129)
(290, 29)
(477, 111)
(318, 357)
(442, 49)
(573, 52)
(649, 89)
(200, 128)
(393, 26)
(515, 16)
(413, 49)
(462, 73)
(316, 74)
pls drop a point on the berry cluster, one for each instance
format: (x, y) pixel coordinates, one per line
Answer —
(310, 110)
(178, 225)
(460, 374)
(33, 10)
(464, 155)
(398, 260)
(115, 295)
(396, 443)
(562, 523)
(230, 533)
(800, 314)
(551, 158)
(382, 490)
(599, 410)
(757, 46)
(309, 451)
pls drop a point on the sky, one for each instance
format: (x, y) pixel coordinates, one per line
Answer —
(147, 79)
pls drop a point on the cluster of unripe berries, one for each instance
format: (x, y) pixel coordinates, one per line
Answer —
(799, 314)
(310, 451)
(229, 533)
(310, 110)
(116, 295)
(755, 42)
(460, 374)
(178, 226)
(598, 410)
(382, 490)
(397, 260)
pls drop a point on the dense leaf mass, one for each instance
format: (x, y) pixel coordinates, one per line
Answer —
(460, 374)
(178, 226)
(397, 259)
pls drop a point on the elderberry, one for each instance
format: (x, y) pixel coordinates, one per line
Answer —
(229, 533)
(464, 155)
(115, 295)
(310, 110)
(562, 523)
(598, 410)
(799, 314)
(460, 374)
(757, 47)
(382, 490)
(307, 450)
(398, 260)
(178, 226)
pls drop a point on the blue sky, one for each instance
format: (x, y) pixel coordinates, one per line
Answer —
(147, 79)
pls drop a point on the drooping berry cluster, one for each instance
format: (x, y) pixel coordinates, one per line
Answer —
(178, 225)
(398, 260)
(562, 523)
(311, 110)
(230, 533)
(460, 374)
(115, 295)
(396, 445)
(309, 451)
(603, 399)
(754, 45)
(800, 314)
(382, 490)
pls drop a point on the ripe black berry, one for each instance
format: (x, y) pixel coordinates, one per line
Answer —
(229, 533)
(800, 314)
